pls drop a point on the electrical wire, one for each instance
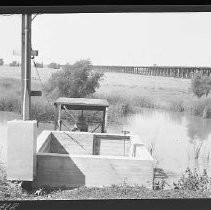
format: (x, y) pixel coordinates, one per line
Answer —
(68, 112)
(74, 139)
(96, 128)
(43, 87)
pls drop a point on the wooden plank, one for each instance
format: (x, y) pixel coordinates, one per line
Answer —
(82, 102)
(103, 127)
(112, 137)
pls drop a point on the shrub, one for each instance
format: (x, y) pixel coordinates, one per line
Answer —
(1, 62)
(76, 81)
(39, 65)
(54, 65)
(10, 104)
(177, 106)
(42, 112)
(200, 107)
(159, 185)
(143, 101)
(201, 85)
(192, 180)
(14, 63)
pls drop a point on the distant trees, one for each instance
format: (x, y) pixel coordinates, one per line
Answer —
(76, 81)
(14, 63)
(201, 85)
(39, 65)
(54, 65)
(1, 62)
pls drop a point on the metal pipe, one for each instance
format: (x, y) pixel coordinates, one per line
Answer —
(26, 66)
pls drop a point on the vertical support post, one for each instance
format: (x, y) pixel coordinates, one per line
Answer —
(104, 124)
(22, 62)
(26, 66)
(56, 117)
(59, 117)
(96, 145)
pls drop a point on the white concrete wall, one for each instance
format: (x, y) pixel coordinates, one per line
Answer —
(21, 150)
(70, 142)
(56, 170)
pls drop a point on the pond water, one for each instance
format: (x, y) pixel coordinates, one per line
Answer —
(177, 140)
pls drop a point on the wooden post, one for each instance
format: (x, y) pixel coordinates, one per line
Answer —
(104, 124)
(56, 117)
(96, 145)
(59, 117)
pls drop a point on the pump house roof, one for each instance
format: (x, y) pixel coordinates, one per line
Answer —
(82, 103)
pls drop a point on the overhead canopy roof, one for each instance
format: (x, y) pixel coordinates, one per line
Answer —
(82, 103)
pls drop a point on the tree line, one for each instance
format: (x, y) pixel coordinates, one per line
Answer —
(52, 65)
(200, 85)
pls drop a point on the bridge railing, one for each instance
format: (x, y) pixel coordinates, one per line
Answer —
(178, 72)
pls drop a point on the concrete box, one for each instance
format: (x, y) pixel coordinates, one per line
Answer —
(71, 159)
(21, 150)
(63, 170)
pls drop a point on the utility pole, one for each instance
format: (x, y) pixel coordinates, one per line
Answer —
(26, 66)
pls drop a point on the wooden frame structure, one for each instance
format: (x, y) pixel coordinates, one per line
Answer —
(81, 104)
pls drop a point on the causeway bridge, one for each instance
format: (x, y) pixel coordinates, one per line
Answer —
(165, 71)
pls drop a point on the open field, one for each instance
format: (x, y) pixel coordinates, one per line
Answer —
(122, 90)
(161, 89)
(15, 73)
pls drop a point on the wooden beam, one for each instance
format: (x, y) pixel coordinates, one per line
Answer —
(112, 137)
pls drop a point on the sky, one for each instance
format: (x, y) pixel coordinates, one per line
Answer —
(134, 39)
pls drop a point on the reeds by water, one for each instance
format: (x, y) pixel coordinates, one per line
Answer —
(121, 103)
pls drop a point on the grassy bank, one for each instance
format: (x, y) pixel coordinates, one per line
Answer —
(10, 100)
(190, 185)
(13, 191)
(123, 99)
(121, 105)
(132, 92)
